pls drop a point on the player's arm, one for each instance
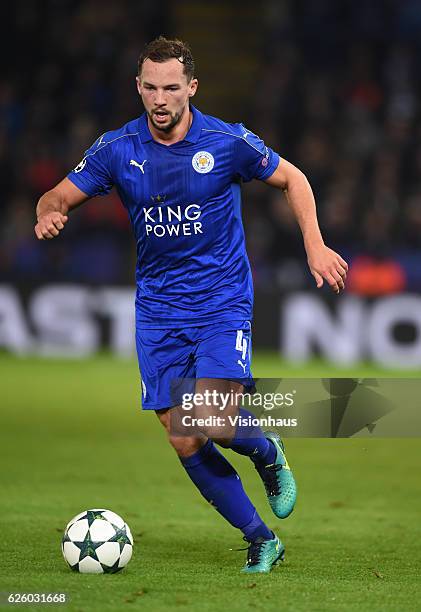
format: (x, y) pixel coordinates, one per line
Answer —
(53, 207)
(323, 262)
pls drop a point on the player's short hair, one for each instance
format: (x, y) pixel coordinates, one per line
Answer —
(162, 49)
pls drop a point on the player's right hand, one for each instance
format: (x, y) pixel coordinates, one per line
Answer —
(49, 225)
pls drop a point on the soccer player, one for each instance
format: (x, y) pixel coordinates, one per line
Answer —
(179, 172)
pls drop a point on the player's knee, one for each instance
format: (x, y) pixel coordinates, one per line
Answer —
(185, 446)
(220, 434)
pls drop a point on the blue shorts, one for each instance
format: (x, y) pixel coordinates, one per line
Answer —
(221, 350)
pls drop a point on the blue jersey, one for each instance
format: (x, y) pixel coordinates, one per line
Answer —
(184, 204)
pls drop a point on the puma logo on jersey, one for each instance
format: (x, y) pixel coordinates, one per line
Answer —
(243, 365)
(100, 141)
(133, 162)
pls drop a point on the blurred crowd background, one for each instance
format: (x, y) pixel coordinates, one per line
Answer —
(334, 87)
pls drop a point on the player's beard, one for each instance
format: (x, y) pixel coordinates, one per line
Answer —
(175, 118)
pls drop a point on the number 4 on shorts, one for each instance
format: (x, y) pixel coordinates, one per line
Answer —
(241, 344)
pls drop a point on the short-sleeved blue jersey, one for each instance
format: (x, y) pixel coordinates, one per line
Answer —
(184, 204)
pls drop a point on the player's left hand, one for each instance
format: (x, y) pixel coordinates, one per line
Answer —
(328, 265)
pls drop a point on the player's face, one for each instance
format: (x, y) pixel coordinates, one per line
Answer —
(165, 92)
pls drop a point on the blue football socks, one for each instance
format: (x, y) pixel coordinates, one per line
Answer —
(221, 486)
(250, 440)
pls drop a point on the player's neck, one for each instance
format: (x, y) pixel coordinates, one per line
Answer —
(178, 132)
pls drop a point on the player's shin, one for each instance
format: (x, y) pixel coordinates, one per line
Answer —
(250, 440)
(221, 486)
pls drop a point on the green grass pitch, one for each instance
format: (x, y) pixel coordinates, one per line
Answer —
(72, 438)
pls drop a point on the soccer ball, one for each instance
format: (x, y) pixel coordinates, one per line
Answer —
(97, 542)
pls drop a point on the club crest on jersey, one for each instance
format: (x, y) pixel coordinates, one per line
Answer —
(203, 162)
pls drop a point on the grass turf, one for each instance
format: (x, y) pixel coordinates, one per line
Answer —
(72, 438)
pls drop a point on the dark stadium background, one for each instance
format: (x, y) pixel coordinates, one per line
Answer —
(333, 86)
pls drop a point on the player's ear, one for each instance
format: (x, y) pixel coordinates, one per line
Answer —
(138, 84)
(193, 85)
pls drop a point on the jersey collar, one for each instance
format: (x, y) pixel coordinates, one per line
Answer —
(192, 135)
